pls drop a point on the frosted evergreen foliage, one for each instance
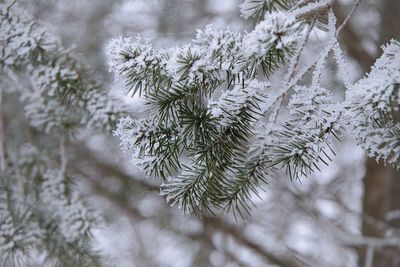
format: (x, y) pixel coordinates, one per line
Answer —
(208, 132)
(232, 103)
(212, 131)
(38, 213)
(58, 81)
(373, 107)
(306, 139)
(217, 40)
(203, 102)
(136, 58)
(279, 30)
(183, 124)
(257, 8)
(41, 211)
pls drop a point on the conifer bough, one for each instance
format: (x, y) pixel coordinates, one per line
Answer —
(41, 213)
(211, 132)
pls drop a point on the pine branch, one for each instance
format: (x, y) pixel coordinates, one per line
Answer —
(238, 195)
(187, 190)
(156, 147)
(371, 104)
(135, 60)
(225, 160)
(59, 96)
(215, 150)
(256, 9)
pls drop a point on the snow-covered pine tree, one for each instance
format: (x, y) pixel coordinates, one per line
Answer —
(56, 95)
(213, 129)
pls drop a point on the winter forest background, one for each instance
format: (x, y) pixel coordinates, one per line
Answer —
(70, 196)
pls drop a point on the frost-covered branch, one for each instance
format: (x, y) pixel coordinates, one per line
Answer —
(41, 210)
(372, 104)
(206, 132)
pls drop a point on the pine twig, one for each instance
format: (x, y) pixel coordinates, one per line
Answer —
(340, 28)
(294, 80)
(312, 9)
(293, 67)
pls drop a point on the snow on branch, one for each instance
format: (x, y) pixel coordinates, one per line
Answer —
(59, 82)
(59, 97)
(373, 106)
(206, 132)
